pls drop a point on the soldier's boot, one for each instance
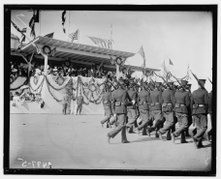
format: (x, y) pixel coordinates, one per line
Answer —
(156, 134)
(183, 138)
(187, 132)
(200, 145)
(160, 135)
(168, 135)
(108, 138)
(173, 137)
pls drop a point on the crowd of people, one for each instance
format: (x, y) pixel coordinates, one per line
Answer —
(20, 69)
(156, 107)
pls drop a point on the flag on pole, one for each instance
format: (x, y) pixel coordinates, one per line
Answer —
(103, 43)
(51, 35)
(141, 52)
(63, 18)
(170, 62)
(22, 31)
(74, 36)
(33, 20)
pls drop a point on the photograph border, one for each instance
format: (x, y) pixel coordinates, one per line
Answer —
(213, 8)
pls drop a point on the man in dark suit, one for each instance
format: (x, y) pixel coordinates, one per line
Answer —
(120, 100)
(199, 104)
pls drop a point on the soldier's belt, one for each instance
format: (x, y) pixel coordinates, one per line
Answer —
(167, 104)
(142, 102)
(198, 105)
(106, 102)
(177, 105)
(154, 104)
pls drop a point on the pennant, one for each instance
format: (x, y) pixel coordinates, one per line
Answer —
(103, 43)
(51, 35)
(63, 18)
(23, 37)
(170, 62)
(74, 36)
(141, 52)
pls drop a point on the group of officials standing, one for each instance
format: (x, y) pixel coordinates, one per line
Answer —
(156, 107)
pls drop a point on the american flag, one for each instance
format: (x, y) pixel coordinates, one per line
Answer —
(74, 35)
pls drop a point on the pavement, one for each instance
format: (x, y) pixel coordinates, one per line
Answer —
(80, 142)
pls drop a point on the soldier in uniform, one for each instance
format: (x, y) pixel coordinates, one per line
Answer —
(188, 89)
(211, 116)
(143, 104)
(199, 104)
(131, 109)
(106, 99)
(120, 99)
(182, 102)
(156, 109)
(168, 101)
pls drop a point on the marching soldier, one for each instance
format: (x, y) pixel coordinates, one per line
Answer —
(182, 102)
(131, 109)
(199, 103)
(168, 100)
(120, 99)
(143, 104)
(156, 108)
(106, 99)
(210, 115)
(188, 89)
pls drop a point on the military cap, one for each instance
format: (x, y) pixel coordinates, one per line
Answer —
(184, 82)
(202, 81)
(189, 85)
(158, 84)
(170, 83)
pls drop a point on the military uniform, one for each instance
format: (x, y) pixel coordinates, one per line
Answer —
(120, 99)
(199, 104)
(131, 109)
(210, 113)
(168, 101)
(143, 104)
(182, 102)
(156, 109)
(106, 100)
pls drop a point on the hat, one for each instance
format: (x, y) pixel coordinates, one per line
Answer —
(202, 81)
(184, 82)
(170, 83)
(189, 85)
(158, 84)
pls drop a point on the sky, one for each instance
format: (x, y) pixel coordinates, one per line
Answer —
(183, 37)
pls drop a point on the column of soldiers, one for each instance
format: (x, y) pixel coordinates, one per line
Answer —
(161, 108)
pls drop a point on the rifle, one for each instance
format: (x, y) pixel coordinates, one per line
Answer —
(162, 79)
(197, 80)
(210, 81)
(178, 82)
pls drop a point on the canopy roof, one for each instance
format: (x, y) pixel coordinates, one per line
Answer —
(78, 53)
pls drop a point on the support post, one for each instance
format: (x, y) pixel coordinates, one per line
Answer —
(45, 64)
(117, 71)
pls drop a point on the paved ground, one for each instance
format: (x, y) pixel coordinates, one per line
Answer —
(41, 140)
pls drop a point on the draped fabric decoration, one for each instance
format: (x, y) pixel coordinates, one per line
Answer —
(91, 89)
(53, 92)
